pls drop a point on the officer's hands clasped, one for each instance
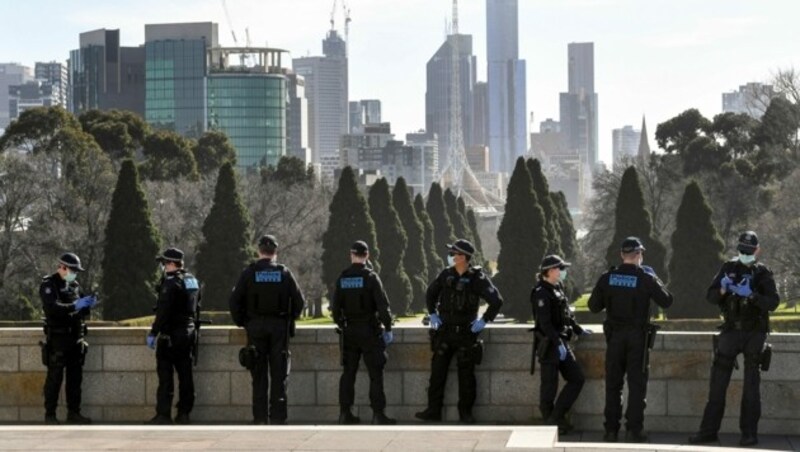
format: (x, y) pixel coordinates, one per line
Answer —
(85, 302)
(478, 325)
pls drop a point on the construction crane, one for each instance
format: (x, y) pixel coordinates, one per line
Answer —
(347, 20)
(243, 57)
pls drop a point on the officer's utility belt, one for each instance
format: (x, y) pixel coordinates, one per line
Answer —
(65, 330)
(462, 328)
(759, 324)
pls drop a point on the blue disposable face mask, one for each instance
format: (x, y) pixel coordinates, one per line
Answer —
(451, 260)
(747, 259)
(563, 275)
(71, 276)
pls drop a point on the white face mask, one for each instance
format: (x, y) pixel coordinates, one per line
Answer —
(747, 259)
(71, 276)
(563, 275)
(451, 260)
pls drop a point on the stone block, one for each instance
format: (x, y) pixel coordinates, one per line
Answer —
(127, 358)
(218, 357)
(592, 363)
(302, 388)
(30, 359)
(497, 356)
(215, 334)
(415, 387)
(596, 343)
(316, 357)
(327, 386)
(9, 414)
(513, 388)
(242, 388)
(21, 388)
(151, 386)
(114, 388)
(325, 334)
(689, 397)
(226, 414)
(592, 400)
(780, 399)
(320, 414)
(136, 414)
(304, 335)
(212, 388)
(784, 367)
(685, 365)
(405, 356)
(416, 335)
(508, 334)
(9, 358)
(20, 336)
(117, 336)
(685, 341)
(781, 427)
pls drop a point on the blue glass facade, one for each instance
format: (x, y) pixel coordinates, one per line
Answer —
(175, 89)
(251, 109)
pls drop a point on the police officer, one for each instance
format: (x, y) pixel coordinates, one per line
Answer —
(359, 309)
(266, 302)
(65, 310)
(172, 337)
(452, 301)
(555, 327)
(625, 293)
(745, 292)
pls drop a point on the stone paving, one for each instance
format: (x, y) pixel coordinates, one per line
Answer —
(335, 438)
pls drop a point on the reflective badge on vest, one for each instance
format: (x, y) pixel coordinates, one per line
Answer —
(269, 277)
(352, 283)
(627, 281)
(191, 283)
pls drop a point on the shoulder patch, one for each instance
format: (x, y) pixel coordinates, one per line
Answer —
(356, 282)
(191, 283)
(269, 276)
(626, 281)
(48, 291)
(541, 303)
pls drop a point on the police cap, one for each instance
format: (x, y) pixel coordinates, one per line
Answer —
(553, 261)
(71, 261)
(268, 242)
(359, 248)
(748, 242)
(632, 244)
(171, 255)
(462, 246)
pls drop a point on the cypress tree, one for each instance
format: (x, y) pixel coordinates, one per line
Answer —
(392, 240)
(568, 240)
(415, 262)
(349, 221)
(443, 233)
(460, 226)
(522, 243)
(472, 221)
(131, 244)
(696, 250)
(633, 219)
(542, 189)
(227, 245)
(432, 258)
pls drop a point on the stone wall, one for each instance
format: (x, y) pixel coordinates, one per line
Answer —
(120, 381)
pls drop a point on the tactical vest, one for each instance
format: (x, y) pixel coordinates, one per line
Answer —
(185, 302)
(562, 320)
(459, 301)
(73, 324)
(266, 291)
(358, 304)
(629, 303)
(736, 311)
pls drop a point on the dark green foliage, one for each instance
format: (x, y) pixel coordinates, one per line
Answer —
(415, 262)
(522, 243)
(39, 130)
(567, 238)
(227, 245)
(443, 233)
(457, 218)
(212, 150)
(169, 157)
(633, 219)
(131, 245)
(432, 258)
(392, 240)
(696, 251)
(779, 125)
(675, 134)
(290, 171)
(349, 221)
(119, 133)
(542, 189)
(472, 223)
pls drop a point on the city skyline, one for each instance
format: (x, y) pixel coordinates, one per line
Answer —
(655, 59)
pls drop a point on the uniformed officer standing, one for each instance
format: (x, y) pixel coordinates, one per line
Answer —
(555, 327)
(744, 289)
(266, 302)
(65, 310)
(452, 300)
(625, 293)
(172, 337)
(359, 308)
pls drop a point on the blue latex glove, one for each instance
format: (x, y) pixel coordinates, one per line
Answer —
(726, 283)
(388, 337)
(151, 342)
(649, 270)
(478, 325)
(436, 322)
(587, 332)
(85, 302)
(742, 289)
(562, 352)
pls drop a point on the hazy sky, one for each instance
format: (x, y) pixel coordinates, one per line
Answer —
(654, 57)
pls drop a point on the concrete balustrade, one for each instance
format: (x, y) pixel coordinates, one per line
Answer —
(120, 380)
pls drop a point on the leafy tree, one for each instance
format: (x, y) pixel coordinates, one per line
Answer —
(432, 258)
(472, 223)
(349, 221)
(212, 150)
(696, 250)
(415, 261)
(39, 130)
(460, 226)
(522, 243)
(443, 233)
(169, 157)
(779, 125)
(633, 219)
(290, 171)
(119, 133)
(132, 242)
(566, 227)
(542, 189)
(227, 246)
(675, 134)
(392, 240)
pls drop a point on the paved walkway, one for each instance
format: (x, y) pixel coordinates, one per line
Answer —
(335, 438)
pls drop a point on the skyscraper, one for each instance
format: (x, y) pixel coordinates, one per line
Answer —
(438, 91)
(506, 82)
(625, 143)
(10, 74)
(57, 75)
(579, 104)
(751, 99)
(363, 112)
(327, 94)
(103, 75)
(297, 119)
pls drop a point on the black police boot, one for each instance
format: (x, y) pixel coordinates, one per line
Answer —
(748, 440)
(50, 419)
(429, 415)
(611, 436)
(466, 417)
(380, 418)
(160, 419)
(701, 438)
(74, 417)
(183, 419)
(635, 436)
(347, 418)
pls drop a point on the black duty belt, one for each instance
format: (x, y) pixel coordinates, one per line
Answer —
(459, 328)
